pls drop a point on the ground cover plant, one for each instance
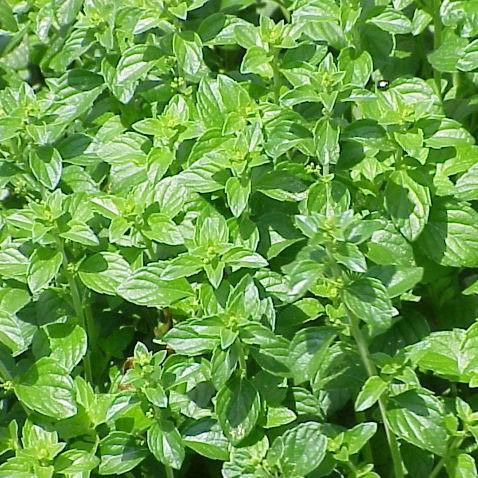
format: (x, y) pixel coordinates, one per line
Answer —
(238, 238)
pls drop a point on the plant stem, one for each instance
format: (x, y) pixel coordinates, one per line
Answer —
(77, 305)
(437, 40)
(371, 369)
(169, 472)
(276, 76)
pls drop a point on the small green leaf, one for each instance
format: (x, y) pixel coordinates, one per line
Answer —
(44, 266)
(187, 47)
(256, 60)
(46, 165)
(120, 453)
(393, 22)
(237, 193)
(279, 416)
(371, 391)
(359, 435)
(80, 232)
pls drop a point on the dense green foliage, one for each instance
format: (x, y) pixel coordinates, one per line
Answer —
(238, 238)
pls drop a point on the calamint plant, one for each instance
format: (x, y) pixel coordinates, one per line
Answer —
(238, 238)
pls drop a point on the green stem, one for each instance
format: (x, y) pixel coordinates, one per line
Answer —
(371, 369)
(437, 40)
(151, 251)
(276, 76)
(77, 305)
(454, 444)
(169, 472)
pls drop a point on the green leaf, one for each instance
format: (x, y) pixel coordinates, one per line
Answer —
(80, 232)
(472, 289)
(419, 419)
(467, 185)
(469, 60)
(9, 126)
(15, 333)
(327, 141)
(393, 22)
(104, 272)
(165, 443)
(371, 391)
(367, 298)
(194, 337)
(447, 56)
(461, 466)
(68, 344)
(80, 41)
(302, 449)
(307, 350)
(279, 416)
(205, 437)
(7, 20)
(237, 193)
(408, 204)
(238, 405)
(187, 47)
(145, 287)
(451, 236)
(120, 453)
(451, 354)
(239, 257)
(47, 388)
(359, 435)
(76, 461)
(397, 279)
(388, 247)
(13, 263)
(257, 61)
(211, 231)
(269, 349)
(44, 266)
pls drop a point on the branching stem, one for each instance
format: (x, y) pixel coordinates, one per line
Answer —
(77, 305)
(371, 369)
